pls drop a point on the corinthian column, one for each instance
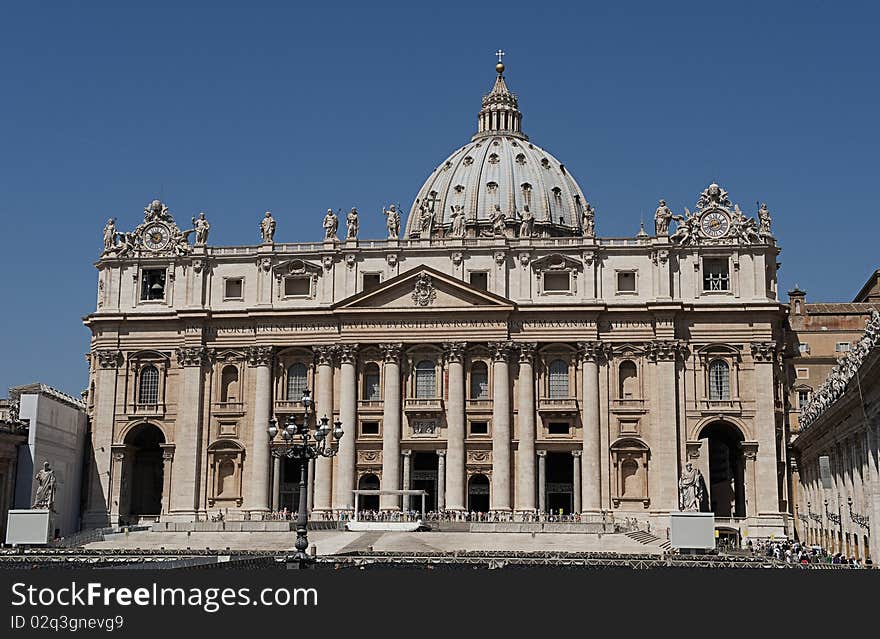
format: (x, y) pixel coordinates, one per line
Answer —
(260, 359)
(187, 431)
(500, 497)
(455, 427)
(591, 468)
(391, 421)
(525, 457)
(764, 357)
(665, 453)
(344, 479)
(323, 407)
(99, 499)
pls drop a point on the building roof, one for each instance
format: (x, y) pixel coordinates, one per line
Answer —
(840, 308)
(44, 389)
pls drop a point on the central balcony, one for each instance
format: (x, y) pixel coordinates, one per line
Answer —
(423, 405)
(557, 405)
(480, 404)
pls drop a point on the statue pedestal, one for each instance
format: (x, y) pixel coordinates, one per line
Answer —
(33, 527)
(691, 529)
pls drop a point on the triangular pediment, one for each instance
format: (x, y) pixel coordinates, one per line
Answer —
(424, 288)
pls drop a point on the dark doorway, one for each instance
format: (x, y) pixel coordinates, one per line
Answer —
(478, 494)
(144, 473)
(368, 502)
(727, 496)
(560, 483)
(290, 475)
(424, 477)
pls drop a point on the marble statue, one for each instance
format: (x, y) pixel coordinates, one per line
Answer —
(527, 224)
(498, 221)
(267, 228)
(331, 225)
(425, 218)
(457, 221)
(45, 496)
(662, 217)
(392, 221)
(352, 224)
(201, 227)
(156, 210)
(764, 221)
(687, 227)
(691, 489)
(110, 235)
(589, 221)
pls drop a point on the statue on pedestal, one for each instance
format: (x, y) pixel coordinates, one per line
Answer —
(498, 221)
(110, 235)
(527, 225)
(589, 221)
(267, 228)
(45, 497)
(457, 221)
(662, 217)
(201, 227)
(331, 224)
(692, 489)
(426, 216)
(352, 225)
(392, 222)
(764, 221)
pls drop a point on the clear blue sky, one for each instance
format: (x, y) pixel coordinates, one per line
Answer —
(238, 108)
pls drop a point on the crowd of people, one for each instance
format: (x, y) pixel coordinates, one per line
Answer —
(795, 552)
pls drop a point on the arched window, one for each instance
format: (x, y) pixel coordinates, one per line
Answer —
(229, 384)
(719, 380)
(479, 380)
(558, 377)
(148, 391)
(426, 380)
(371, 382)
(629, 478)
(297, 380)
(628, 380)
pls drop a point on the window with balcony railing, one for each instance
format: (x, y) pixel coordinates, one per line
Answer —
(426, 380)
(297, 381)
(557, 379)
(371, 382)
(479, 380)
(148, 389)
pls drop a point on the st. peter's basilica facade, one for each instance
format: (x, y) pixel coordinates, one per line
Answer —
(498, 355)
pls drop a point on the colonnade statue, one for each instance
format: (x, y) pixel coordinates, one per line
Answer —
(692, 490)
(45, 497)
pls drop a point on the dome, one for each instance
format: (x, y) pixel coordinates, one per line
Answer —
(496, 180)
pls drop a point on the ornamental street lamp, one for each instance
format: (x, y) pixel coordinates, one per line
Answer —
(830, 515)
(861, 520)
(297, 444)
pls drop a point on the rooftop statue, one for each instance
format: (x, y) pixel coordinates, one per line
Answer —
(764, 221)
(392, 222)
(499, 220)
(331, 225)
(662, 217)
(110, 235)
(527, 225)
(589, 221)
(458, 226)
(201, 227)
(267, 228)
(352, 224)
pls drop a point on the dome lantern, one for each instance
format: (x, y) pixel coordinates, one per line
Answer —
(500, 111)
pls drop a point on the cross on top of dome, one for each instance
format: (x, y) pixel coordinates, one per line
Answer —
(500, 109)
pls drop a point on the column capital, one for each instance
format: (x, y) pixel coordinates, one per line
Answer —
(500, 350)
(406, 453)
(324, 354)
(441, 452)
(750, 450)
(391, 352)
(764, 352)
(541, 453)
(109, 358)
(577, 453)
(594, 351)
(192, 356)
(259, 355)
(348, 353)
(454, 351)
(669, 350)
(527, 352)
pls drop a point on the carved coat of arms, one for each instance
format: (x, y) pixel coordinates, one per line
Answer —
(424, 293)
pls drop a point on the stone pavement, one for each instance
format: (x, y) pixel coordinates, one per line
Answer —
(329, 542)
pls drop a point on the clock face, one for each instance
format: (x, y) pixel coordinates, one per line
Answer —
(156, 237)
(715, 224)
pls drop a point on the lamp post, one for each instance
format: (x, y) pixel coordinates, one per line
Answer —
(297, 444)
(861, 520)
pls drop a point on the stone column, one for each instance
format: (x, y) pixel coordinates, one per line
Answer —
(323, 481)
(441, 479)
(591, 469)
(764, 357)
(576, 479)
(542, 481)
(500, 496)
(407, 469)
(872, 491)
(665, 454)
(750, 454)
(344, 480)
(525, 457)
(276, 483)
(259, 358)
(97, 514)
(187, 432)
(391, 422)
(455, 427)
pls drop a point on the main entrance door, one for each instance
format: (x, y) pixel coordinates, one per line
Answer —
(560, 483)
(478, 494)
(143, 474)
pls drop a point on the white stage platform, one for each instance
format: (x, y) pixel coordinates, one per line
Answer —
(388, 526)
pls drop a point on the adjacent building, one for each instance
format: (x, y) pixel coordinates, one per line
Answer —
(13, 434)
(499, 355)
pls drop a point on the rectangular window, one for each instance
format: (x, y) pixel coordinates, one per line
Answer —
(479, 428)
(626, 282)
(803, 398)
(558, 428)
(369, 428)
(557, 283)
(842, 347)
(371, 386)
(153, 284)
(803, 373)
(234, 289)
(716, 274)
(480, 280)
(371, 282)
(297, 286)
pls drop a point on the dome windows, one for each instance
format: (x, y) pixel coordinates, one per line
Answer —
(520, 159)
(493, 158)
(468, 161)
(545, 163)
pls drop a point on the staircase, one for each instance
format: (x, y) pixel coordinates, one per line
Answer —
(647, 539)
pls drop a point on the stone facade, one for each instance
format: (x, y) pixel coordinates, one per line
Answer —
(500, 355)
(13, 435)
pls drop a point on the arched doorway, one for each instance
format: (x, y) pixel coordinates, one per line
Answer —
(143, 473)
(726, 482)
(478, 493)
(368, 502)
(559, 483)
(424, 477)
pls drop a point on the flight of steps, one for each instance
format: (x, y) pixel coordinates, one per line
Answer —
(647, 539)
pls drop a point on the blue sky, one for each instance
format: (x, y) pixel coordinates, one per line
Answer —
(235, 108)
